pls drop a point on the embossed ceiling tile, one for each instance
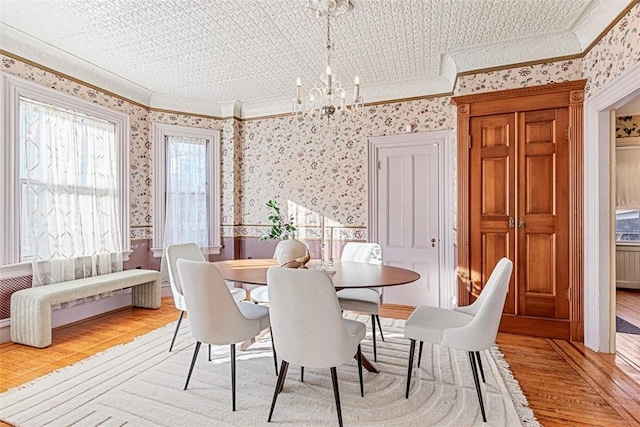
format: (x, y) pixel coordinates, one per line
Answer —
(205, 51)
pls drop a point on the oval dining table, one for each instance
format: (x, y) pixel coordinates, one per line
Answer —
(347, 275)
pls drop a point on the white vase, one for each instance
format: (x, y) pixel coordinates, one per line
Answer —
(288, 250)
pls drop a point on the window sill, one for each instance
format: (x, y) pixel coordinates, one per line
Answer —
(23, 269)
(11, 271)
(209, 250)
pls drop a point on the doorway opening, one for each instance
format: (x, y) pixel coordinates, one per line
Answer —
(626, 213)
(599, 209)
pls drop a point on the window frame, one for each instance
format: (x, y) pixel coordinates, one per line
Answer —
(160, 132)
(11, 89)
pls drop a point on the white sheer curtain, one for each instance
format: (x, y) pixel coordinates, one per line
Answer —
(70, 204)
(186, 201)
(628, 177)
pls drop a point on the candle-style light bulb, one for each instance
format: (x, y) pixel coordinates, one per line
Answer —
(329, 82)
(298, 82)
(356, 88)
(298, 88)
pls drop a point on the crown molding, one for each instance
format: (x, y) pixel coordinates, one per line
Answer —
(50, 58)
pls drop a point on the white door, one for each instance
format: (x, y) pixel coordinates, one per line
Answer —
(408, 225)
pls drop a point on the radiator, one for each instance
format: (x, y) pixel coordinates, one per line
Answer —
(628, 267)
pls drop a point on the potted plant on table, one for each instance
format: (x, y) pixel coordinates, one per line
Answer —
(289, 252)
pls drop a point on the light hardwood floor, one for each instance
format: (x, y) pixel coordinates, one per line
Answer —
(565, 383)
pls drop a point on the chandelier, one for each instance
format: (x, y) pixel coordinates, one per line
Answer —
(327, 98)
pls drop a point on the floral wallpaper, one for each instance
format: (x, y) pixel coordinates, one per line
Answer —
(318, 168)
(315, 168)
(513, 78)
(628, 127)
(618, 50)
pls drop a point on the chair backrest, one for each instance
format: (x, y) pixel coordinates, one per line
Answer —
(306, 321)
(189, 251)
(481, 332)
(484, 295)
(214, 316)
(370, 253)
(362, 252)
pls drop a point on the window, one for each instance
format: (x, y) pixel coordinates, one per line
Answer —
(64, 176)
(186, 187)
(628, 226)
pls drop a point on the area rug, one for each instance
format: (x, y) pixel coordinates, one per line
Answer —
(141, 384)
(625, 327)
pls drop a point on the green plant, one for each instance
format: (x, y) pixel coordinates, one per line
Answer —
(280, 229)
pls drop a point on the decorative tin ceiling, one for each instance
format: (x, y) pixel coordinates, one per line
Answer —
(201, 55)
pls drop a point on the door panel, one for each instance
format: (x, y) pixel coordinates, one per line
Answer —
(394, 188)
(408, 226)
(492, 161)
(542, 204)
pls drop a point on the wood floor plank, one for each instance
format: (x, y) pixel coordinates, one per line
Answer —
(611, 385)
(556, 392)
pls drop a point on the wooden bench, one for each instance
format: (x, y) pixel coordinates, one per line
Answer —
(31, 308)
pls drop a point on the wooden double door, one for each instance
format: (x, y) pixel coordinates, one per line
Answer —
(518, 203)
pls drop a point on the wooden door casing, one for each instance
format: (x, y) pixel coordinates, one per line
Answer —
(545, 296)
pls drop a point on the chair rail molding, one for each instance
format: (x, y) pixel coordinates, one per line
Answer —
(599, 241)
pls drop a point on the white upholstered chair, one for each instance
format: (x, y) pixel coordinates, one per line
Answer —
(259, 294)
(472, 332)
(472, 310)
(366, 300)
(192, 252)
(214, 316)
(308, 328)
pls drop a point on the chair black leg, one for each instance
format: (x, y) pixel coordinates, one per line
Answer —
(360, 370)
(209, 352)
(412, 350)
(420, 353)
(275, 355)
(301, 374)
(480, 366)
(279, 384)
(373, 328)
(474, 369)
(379, 326)
(336, 394)
(233, 377)
(193, 363)
(175, 334)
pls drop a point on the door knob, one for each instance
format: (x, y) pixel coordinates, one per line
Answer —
(512, 222)
(433, 242)
(521, 223)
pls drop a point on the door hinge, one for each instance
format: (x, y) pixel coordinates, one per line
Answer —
(569, 134)
(378, 164)
(469, 141)
(569, 294)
